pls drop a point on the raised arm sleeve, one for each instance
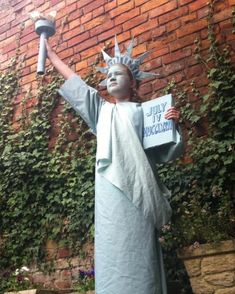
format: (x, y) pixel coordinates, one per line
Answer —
(84, 99)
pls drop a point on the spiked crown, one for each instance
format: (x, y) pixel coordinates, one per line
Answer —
(126, 59)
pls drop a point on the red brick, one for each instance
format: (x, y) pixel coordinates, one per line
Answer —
(121, 9)
(144, 27)
(4, 65)
(120, 2)
(78, 39)
(173, 25)
(63, 284)
(195, 71)
(102, 28)
(221, 5)
(191, 60)
(155, 44)
(46, 6)
(31, 61)
(9, 47)
(11, 54)
(30, 37)
(3, 36)
(39, 3)
(158, 52)
(25, 71)
(183, 42)
(179, 77)
(135, 21)
(173, 67)
(86, 44)
(98, 11)
(192, 27)
(205, 44)
(126, 36)
(159, 84)
(139, 2)
(4, 28)
(126, 16)
(6, 18)
(87, 17)
(188, 18)
(89, 52)
(225, 25)
(110, 33)
(54, 2)
(202, 13)
(67, 53)
(27, 79)
(76, 24)
(159, 31)
(91, 60)
(145, 89)
(75, 14)
(95, 22)
(183, 2)
(92, 6)
(67, 10)
(176, 56)
(145, 37)
(201, 81)
(64, 252)
(230, 37)
(109, 6)
(3, 57)
(154, 63)
(140, 49)
(163, 9)
(25, 32)
(170, 38)
(173, 15)
(195, 5)
(152, 4)
(233, 47)
(82, 3)
(223, 15)
(21, 5)
(32, 50)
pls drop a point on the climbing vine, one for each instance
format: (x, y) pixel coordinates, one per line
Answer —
(203, 184)
(46, 187)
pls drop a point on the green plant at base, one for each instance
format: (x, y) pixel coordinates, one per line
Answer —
(86, 281)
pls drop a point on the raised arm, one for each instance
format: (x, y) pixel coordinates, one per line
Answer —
(84, 99)
(60, 66)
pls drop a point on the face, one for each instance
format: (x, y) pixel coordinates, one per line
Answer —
(119, 82)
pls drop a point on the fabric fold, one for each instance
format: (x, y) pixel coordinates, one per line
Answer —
(126, 166)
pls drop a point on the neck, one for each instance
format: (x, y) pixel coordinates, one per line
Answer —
(122, 99)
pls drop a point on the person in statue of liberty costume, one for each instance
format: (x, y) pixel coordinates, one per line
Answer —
(131, 204)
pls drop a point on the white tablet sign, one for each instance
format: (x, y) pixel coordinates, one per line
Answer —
(158, 130)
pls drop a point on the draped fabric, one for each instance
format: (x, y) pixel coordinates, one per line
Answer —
(130, 201)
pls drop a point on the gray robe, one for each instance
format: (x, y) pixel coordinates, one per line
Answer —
(130, 201)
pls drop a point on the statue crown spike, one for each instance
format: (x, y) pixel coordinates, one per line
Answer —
(127, 60)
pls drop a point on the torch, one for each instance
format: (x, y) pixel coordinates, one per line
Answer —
(45, 28)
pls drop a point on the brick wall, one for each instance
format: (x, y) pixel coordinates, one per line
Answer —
(167, 28)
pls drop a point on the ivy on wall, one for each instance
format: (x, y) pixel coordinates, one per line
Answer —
(43, 195)
(49, 195)
(203, 199)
